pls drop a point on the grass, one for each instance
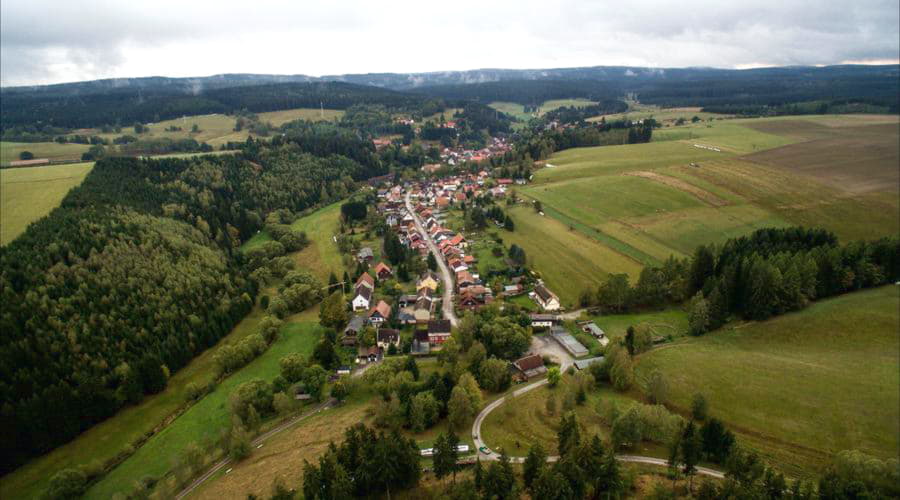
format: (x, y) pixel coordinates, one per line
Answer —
(207, 418)
(27, 194)
(802, 386)
(666, 116)
(110, 437)
(568, 261)
(671, 320)
(9, 151)
(322, 255)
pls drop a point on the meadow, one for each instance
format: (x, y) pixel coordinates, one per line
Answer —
(208, 418)
(800, 387)
(9, 151)
(650, 201)
(517, 110)
(29, 193)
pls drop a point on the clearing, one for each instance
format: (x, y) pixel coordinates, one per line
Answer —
(9, 151)
(802, 386)
(29, 193)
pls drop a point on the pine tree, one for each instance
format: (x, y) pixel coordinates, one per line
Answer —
(534, 464)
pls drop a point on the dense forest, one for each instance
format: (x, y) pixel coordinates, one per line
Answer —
(132, 276)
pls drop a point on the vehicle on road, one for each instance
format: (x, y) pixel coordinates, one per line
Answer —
(485, 450)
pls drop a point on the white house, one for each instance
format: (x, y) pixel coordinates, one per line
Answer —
(362, 299)
(547, 299)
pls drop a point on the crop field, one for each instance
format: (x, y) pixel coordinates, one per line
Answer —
(802, 386)
(27, 194)
(110, 437)
(9, 151)
(647, 201)
(569, 262)
(206, 419)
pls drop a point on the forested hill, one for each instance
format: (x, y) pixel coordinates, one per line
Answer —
(78, 105)
(131, 277)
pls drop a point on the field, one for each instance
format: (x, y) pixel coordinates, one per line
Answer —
(646, 202)
(802, 386)
(218, 129)
(518, 110)
(666, 116)
(207, 418)
(27, 194)
(9, 151)
(321, 256)
(110, 437)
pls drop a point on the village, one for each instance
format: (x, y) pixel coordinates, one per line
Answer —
(422, 318)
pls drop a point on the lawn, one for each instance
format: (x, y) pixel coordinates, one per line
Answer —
(672, 320)
(9, 151)
(110, 437)
(552, 104)
(568, 261)
(27, 194)
(802, 386)
(207, 418)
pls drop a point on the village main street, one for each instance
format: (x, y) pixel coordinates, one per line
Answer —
(447, 300)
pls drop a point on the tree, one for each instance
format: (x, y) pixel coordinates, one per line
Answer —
(468, 327)
(698, 315)
(314, 379)
(333, 311)
(459, 408)
(346, 284)
(495, 375)
(499, 481)
(423, 411)
(341, 389)
(629, 340)
(553, 376)
(238, 443)
(658, 388)
(614, 294)
(282, 403)
(508, 224)
(534, 464)
(67, 484)
(538, 207)
(325, 354)
(26, 155)
(699, 407)
(569, 435)
(621, 370)
(552, 485)
(470, 386)
(691, 451)
(292, 367)
(717, 441)
(550, 404)
(409, 364)
(432, 262)
(446, 455)
(702, 268)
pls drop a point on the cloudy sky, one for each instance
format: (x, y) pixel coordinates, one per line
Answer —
(61, 41)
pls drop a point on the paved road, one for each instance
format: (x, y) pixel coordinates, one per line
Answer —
(476, 437)
(447, 301)
(256, 442)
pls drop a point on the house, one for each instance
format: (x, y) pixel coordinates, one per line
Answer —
(547, 299)
(420, 344)
(343, 370)
(366, 279)
(464, 279)
(387, 337)
(543, 320)
(422, 313)
(363, 298)
(365, 255)
(530, 366)
(438, 331)
(513, 290)
(583, 364)
(407, 300)
(380, 313)
(353, 329)
(369, 354)
(383, 271)
(406, 318)
(428, 280)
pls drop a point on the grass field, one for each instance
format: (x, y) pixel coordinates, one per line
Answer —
(110, 437)
(9, 151)
(802, 386)
(218, 129)
(568, 261)
(321, 256)
(667, 321)
(518, 110)
(207, 418)
(27, 194)
(666, 116)
(646, 201)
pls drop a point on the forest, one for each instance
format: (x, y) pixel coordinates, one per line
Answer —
(135, 274)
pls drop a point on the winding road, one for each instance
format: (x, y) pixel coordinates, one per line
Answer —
(476, 437)
(447, 301)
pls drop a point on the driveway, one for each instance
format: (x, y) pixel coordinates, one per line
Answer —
(546, 346)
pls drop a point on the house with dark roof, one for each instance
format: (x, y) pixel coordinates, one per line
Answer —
(366, 280)
(420, 344)
(353, 329)
(380, 313)
(438, 331)
(543, 320)
(387, 337)
(547, 299)
(530, 366)
(363, 298)
(383, 271)
(365, 255)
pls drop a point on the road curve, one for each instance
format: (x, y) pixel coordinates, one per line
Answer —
(476, 438)
(447, 301)
(256, 442)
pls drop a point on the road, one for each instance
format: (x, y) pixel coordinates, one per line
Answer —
(476, 437)
(256, 442)
(447, 301)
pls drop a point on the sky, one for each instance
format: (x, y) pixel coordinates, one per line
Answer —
(45, 42)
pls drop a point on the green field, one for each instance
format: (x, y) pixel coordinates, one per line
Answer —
(647, 202)
(568, 261)
(667, 321)
(218, 129)
(207, 418)
(517, 110)
(9, 151)
(321, 256)
(802, 386)
(110, 437)
(666, 116)
(27, 194)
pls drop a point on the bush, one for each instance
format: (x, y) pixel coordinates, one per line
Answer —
(67, 483)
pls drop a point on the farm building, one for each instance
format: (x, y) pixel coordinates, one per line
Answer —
(529, 366)
(595, 331)
(583, 364)
(568, 342)
(543, 320)
(547, 299)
